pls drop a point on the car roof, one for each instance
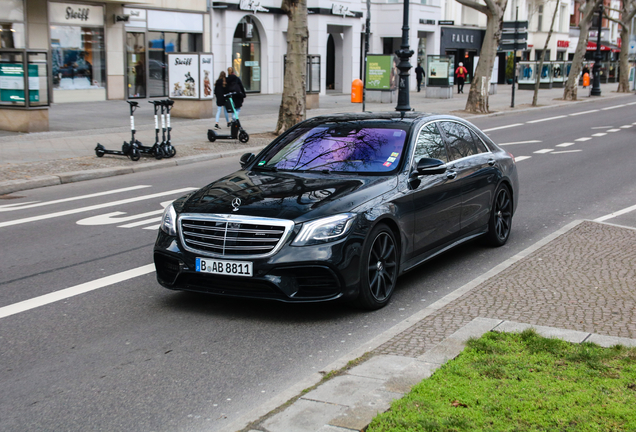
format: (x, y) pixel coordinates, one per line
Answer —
(409, 117)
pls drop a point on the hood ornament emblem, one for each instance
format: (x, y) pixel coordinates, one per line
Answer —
(236, 203)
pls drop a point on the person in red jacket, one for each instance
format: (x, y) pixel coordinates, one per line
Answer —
(460, 76)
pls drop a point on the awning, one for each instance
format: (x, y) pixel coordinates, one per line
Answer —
(591, 46)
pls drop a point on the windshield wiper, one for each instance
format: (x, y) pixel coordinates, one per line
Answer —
(266, 168)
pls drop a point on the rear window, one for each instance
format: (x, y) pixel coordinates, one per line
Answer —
(339, 148)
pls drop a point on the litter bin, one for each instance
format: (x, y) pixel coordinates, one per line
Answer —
(357, 87)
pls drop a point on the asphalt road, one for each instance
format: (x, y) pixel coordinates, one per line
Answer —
(126, 354)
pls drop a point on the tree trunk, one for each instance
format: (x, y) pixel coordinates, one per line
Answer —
(293, 104)
(545, 47)
(571, 86)
(478, 96)
(623, 61)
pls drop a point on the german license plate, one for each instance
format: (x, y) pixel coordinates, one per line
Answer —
(222, 267)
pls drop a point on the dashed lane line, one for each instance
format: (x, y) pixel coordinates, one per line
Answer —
(565, 144)
(521, 158)
(502, 127)
(600, 134)
(583, 112)
(520, 142)
(56, 296)
(613, 130)
(543, 151)
(616, 214)
(613, 107)
(566, 151)
(545, 119)
(583, 139)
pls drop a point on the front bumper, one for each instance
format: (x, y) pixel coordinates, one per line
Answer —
(294, 274)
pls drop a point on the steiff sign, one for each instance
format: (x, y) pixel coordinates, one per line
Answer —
(76, 14)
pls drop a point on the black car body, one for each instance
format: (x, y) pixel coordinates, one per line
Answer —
(338, 207)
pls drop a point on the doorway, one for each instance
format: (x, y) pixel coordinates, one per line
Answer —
(136, 64)
(331, 63)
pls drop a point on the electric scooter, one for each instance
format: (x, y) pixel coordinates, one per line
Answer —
(168, 149)
(130, 149)
(236, 131)
(156, 149)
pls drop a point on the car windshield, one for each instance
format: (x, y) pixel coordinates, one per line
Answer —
(339, 148)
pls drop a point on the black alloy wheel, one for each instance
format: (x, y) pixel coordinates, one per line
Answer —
(500, 223)
(243, 137)
(379, 268)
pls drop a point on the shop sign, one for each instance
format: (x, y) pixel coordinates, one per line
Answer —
(427, 21)
(341, 9)
(76, 14)
(206, 69)
(252, 5)
(563, 43)
(458, 38)
(136, 17)
(451, 22)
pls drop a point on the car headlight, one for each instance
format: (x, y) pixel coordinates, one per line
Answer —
(169, 221)
(324, 230)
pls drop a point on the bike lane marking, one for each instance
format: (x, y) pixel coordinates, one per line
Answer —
(93, 207)
(32, 204)
(616, 214)
(56, 296)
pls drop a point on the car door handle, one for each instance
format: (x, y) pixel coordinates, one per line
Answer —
(451, 174)
(491, 162)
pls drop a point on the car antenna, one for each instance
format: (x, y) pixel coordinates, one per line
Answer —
(401, 115)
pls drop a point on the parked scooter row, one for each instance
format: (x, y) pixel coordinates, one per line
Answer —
(135, 148)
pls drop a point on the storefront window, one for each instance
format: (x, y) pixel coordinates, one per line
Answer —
(161, 43)
(136, 64)
(12, 79)
(12, 10)
(12, 35)
(38, 79)
(246, 54)
(78, 57)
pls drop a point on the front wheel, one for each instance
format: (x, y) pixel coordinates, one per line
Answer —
(170, 151)
(500, 221)
(379, 268)
(211, 136)
(134, 154)
(99, 150)
(243, 137)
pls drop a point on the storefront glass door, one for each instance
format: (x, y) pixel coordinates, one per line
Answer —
(136, 64)
(246, 54)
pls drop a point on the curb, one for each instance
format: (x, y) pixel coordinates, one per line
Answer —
(11, 186)
(259, 413)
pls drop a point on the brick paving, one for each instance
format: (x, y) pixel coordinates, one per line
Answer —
(584, 280)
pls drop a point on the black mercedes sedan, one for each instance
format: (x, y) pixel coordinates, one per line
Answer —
(338, 207)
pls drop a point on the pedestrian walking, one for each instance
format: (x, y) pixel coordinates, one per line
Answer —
(235, 85)
(419, 75)
(220, 89)
(460, 76)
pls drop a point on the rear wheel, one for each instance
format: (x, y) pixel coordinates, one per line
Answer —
(243, 137)
(135, 155)
(379, 268)
(99, 150)
(500, 222)
(170, 151)
(211, 136)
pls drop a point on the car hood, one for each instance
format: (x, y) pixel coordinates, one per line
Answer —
(283, 195)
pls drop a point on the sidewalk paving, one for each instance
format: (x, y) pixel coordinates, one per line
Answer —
(66, 153)
(577, 285)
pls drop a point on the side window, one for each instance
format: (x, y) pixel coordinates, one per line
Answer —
(430, 144)
(481, 147)
(459, 139)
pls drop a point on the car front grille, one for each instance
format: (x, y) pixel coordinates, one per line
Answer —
(233, 236)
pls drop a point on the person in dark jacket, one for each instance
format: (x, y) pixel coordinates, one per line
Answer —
(419, 75)
(220, 89)
(235, 85)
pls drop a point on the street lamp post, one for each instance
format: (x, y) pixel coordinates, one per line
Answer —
(596, 70)
(404, 53)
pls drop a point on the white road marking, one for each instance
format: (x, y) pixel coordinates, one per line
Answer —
(583, 139)
(613, 130)
(583, 112)
(546, 119)
(631, 103)
(154, 227)
(39, 204)
(565, 145)
(521, 158)
(626, 126)
(602, 127)
(110, 218)
(502, 127)
(93, 207)
(612, 107)
(542, 151)
(615, 214)
(600, 134)
(140, 223)
(53, 297)
(520, 142)
(566, 151)
(15, 205)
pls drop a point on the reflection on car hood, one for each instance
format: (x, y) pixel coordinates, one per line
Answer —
(294, 196)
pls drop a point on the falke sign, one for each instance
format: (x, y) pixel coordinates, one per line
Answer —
(457, 38)
(78, 14)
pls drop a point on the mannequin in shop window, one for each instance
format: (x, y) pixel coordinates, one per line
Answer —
(237, 64)
(140, 76)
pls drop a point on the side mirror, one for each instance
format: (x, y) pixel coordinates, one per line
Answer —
(247, 159)
(428, 166)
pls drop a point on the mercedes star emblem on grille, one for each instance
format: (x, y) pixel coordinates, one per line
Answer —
(236, 203)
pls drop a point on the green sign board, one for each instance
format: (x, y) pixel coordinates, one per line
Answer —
(380, 72)
(12, 83)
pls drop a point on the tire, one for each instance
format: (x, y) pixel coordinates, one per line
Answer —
(134, 155)
(169, 151)
(158, 152)
(99, 150)
(500, 220)
(211, 136)
(243, 137)
(379, 268)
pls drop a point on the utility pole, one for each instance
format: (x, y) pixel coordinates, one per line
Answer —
(367, 32)
(596, 70)
(404, 53)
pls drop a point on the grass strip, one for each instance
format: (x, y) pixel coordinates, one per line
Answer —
(522, 382)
